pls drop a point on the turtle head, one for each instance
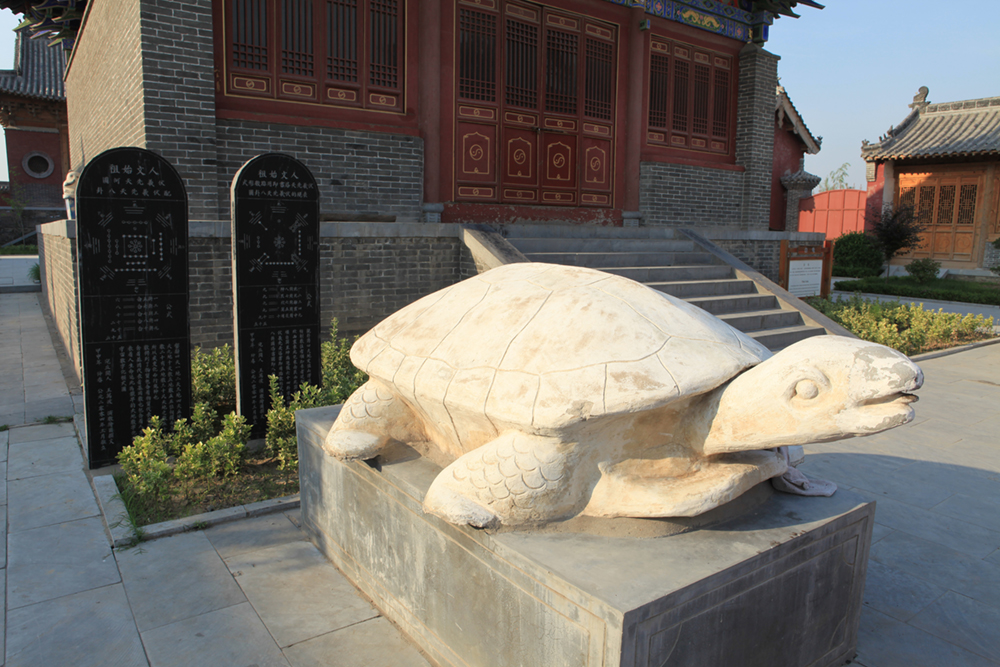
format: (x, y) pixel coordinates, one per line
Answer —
(821, 388)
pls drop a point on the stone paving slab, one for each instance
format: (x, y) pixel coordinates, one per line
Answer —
(44, 457)
(55, 633)
(886, 642)
(229, 636)
(235, 538)
(49, 499)
(175, 578)
(53, 561)
(41, 432)
(376, 642)
(297, 593)
(963, 621)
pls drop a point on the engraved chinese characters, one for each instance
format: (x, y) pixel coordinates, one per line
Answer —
(275, 280)
(132, 230)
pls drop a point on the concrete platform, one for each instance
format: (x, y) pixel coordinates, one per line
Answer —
(779, 585)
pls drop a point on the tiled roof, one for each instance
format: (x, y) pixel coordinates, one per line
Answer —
(785, 109)
(38, 70)
(950, 129)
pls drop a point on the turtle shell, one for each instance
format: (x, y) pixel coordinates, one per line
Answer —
(541, 346)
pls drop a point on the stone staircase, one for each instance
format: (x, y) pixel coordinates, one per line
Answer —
(671, 264)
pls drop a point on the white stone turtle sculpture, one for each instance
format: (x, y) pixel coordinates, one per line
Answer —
(548, 391)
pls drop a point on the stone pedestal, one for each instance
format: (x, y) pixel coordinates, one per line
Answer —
(779, 585)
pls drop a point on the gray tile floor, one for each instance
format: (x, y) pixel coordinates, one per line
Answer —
(257, 592)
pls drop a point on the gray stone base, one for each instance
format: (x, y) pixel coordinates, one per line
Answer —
(780, 585)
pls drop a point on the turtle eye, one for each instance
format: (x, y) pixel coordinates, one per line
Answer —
(806, 389)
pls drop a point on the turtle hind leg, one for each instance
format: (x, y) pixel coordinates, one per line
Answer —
(370, 418)
(514, 479)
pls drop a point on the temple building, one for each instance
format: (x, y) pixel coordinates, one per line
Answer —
(943, 161)
(33, 115)
(586, 111)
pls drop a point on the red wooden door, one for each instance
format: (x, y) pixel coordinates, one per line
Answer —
(552, 109)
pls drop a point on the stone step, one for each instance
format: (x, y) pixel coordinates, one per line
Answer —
(666, 274)
(757, 320)
(778, 339)
(604, 259)
(573, 231)
(739, 303)
(548, 245)
(688, 289)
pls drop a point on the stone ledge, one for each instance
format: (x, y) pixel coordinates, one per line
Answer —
(116, 517)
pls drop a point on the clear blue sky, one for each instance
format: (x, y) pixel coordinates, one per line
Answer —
(851, 69)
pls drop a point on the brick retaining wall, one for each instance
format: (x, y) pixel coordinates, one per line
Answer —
(57, 263)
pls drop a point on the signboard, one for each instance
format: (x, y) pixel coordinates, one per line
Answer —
(275, 225)
(805, 269)
(132, 254)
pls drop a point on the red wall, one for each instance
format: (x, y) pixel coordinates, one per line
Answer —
(834, 212)
(788, 152)
(22, 142)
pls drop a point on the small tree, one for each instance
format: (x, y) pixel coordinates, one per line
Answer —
(836, 179)
(897, 230)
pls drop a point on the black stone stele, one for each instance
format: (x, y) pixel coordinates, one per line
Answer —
(275, 208)
(132, 254)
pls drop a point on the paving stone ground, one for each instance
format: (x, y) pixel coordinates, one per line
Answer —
(257, 592)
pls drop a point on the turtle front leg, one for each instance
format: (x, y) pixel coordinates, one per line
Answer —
(371, 417)
(514, 479)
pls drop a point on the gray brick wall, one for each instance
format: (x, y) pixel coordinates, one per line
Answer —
(765, 256)
(104, 82)
(360, 174)
(755, 132)
(179, 102)
(367, 279)
(210, 281)
(991, 257)
(57, 261)
(676, 194)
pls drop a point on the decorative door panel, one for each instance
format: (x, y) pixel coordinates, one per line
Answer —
(551, 76)
(477, 153)
(945, 205)
(559, 161)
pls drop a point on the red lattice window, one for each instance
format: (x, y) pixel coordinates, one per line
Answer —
(343, 52)
(690, 91)
(560, 71)
(477, 70)
(600, 80)
(522, 64)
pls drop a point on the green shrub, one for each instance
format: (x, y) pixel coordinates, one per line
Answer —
(855, 271)
(280, 440)
(35, 273)
(908, 328)
(937, 289)
(204, 424)
(219, 456)
(19, 250)
(339, 376)
(996, 267)
(923, 270)
(857, 249)
(144, 463)
(213, 378)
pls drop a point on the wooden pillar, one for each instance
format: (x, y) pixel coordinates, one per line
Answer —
(634, 109)
(429, 100)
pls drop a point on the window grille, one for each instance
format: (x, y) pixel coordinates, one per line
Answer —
(249, 27)
(659, 79)
(925, 204)
(967, 205)
(681, 83)
(342, 40)
(946, 205)
(477, 56)
(522, 64)
(296, 38)
(560, 71)
(599, 89)
(384, 49)
(720, 115)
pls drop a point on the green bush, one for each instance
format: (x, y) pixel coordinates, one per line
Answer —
(213, 378)
(937, 289)
(908, 328)
(35, 273)
(19, 250)
(857, 249)
(923, 270)
(219, 456)
(855, 271)
(144, 463)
